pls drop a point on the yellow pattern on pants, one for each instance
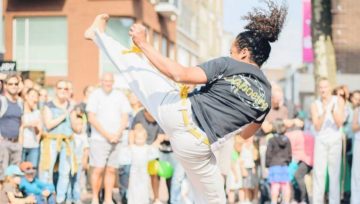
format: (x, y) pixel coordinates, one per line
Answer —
(162, 99)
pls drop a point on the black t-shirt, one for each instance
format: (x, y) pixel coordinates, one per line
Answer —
(236, 94)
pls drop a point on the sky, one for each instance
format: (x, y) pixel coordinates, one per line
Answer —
(288, 49)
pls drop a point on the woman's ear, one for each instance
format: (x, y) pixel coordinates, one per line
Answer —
(244, 54)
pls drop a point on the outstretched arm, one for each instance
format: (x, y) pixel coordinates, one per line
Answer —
(168, 67)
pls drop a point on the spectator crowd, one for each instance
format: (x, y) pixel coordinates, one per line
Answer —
(54, 149)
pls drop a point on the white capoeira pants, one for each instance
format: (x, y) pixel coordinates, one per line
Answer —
(355, 171)
(327, 155)
(162, 99)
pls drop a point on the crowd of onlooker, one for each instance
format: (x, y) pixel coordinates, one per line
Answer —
(298, 156)
(54, 149)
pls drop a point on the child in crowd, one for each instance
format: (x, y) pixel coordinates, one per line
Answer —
(31, 128)
(250, 181)
(81, 148)
(278, 157)
(138, 155)
(234, 179)
(43, 192)
(10, 192)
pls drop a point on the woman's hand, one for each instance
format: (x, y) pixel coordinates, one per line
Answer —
(138, 34)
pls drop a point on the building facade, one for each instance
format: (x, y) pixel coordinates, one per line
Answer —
(199, 31)
(345, 33)
(48, 35)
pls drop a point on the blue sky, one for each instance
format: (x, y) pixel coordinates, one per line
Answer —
(288, 49)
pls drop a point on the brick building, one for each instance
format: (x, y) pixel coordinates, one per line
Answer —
(47, 35)
(346, 32)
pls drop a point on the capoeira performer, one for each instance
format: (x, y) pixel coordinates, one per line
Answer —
(236, 93)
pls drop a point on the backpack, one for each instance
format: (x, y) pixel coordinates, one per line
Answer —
(4, 105)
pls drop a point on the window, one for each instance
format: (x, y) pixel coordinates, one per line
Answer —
(172, 51)
(40, 43)
(156, 41)
(164, 44)
(183, 56)
(117, 28)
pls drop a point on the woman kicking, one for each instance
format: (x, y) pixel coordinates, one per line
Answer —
(236, 93)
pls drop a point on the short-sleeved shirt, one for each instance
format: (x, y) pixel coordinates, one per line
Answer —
(108, 108)
(30, 135)
(152, 128)
(235, 94)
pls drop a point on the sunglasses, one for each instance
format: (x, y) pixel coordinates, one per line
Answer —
(13, 84)
(63, 88)
(30, 169)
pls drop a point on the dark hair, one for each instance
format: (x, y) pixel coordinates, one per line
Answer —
(337, 90)
(10, 76)
(263, 28)
(32, 89)
(353, 93)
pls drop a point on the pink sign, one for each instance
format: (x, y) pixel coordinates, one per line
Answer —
(308, 55)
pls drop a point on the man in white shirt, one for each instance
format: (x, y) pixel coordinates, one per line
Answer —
(108, 115)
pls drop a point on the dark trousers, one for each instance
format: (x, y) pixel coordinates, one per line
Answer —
(302, 170)
(124, 174)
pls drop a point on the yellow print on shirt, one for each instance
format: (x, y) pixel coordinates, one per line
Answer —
(239, 84)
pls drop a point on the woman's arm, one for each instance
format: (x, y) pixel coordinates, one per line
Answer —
(49, 122)
(168, 67)
(316, 119)
(338, 112)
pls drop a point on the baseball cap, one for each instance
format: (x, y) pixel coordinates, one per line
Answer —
(27, 167)
(13, 170)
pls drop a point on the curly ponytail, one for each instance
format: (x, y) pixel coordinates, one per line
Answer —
(263, 28)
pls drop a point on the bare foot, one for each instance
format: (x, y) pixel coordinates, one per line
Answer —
(98, 24)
